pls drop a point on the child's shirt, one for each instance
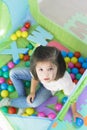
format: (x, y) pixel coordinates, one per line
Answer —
(65, 83)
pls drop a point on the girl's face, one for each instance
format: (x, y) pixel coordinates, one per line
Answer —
(46, 71)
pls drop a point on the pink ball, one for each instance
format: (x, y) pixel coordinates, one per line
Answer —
(72, 76)
(41, 114)
(70, 65)
(58, 106)
(11, 65)
(51, 115)
(23, 29)
(2, 80)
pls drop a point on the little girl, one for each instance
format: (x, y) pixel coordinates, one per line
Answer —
(48, 69)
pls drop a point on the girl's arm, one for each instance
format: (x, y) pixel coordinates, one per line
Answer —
(33, 87)
(74, 111)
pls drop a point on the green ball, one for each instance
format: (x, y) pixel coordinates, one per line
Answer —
(30, 46)
(27, 84)
(78, 76)
(11, 88)
(6, 74)
(1, 73)
(4, 109)
(27, 63)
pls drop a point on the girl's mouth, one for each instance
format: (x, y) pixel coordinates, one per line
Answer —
(46, 78)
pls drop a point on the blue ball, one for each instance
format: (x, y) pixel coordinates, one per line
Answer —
(64, 54)
(84, 65)
(70, 54)
(81, 59)
(79, 122)
(75, 70)
(64, 99)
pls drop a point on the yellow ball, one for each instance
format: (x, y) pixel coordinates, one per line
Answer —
(24, 34)
(13, 37)
(67, 59)
(29, 111)
(4, 93)
(21, 56)
(24, 114)
(74, 60)
(30, 52)
(18, 33)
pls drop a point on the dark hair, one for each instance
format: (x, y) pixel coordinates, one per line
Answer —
(46, 53)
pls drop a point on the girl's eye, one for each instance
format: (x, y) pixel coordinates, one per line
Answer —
(41, 69)
(50, 69)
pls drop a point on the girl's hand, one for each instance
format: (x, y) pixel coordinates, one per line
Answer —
(76, 114)
(30, 97)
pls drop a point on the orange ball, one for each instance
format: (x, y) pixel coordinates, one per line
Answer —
(27, 25)
(12, 110)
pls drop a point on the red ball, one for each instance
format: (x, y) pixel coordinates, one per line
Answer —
(77, 54)
(81, 70)
(12, 110)
(78, 65)
(75, 81)
(26, 57)
(9, 82)
(27, 25)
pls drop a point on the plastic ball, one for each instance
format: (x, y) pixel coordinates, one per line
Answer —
(64, 54)
(27, 84)
(23, 29)
(21, 56)
(6, 74)
(70, 65)
(5, 68)
(13, 37)
(64, 99)
(67, 59)
(24, 114)
(27, 63)
(81, 70)
(1, 72)
(69, 70)
(24, 34)
(29, 111)
(4, 86)
(75, 70)
(72, 76)
(9, 82)
(18, 33)
(30, 46)
(4, 109)
(79, 122)
(12, 110)
(41, 114)
(74, 60)
(78, 65)
(11, 88)
(2, 80)
(26, 57)
(77, 54)
(30, 52)
(27, 25)
(70, 54)
(78, 76)
(51, 115)
(58, 106)
(4, 93)
(11, 65)
(75, 81)
(84, 65)
(81, 59)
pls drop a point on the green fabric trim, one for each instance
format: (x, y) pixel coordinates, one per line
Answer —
(60, 34)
